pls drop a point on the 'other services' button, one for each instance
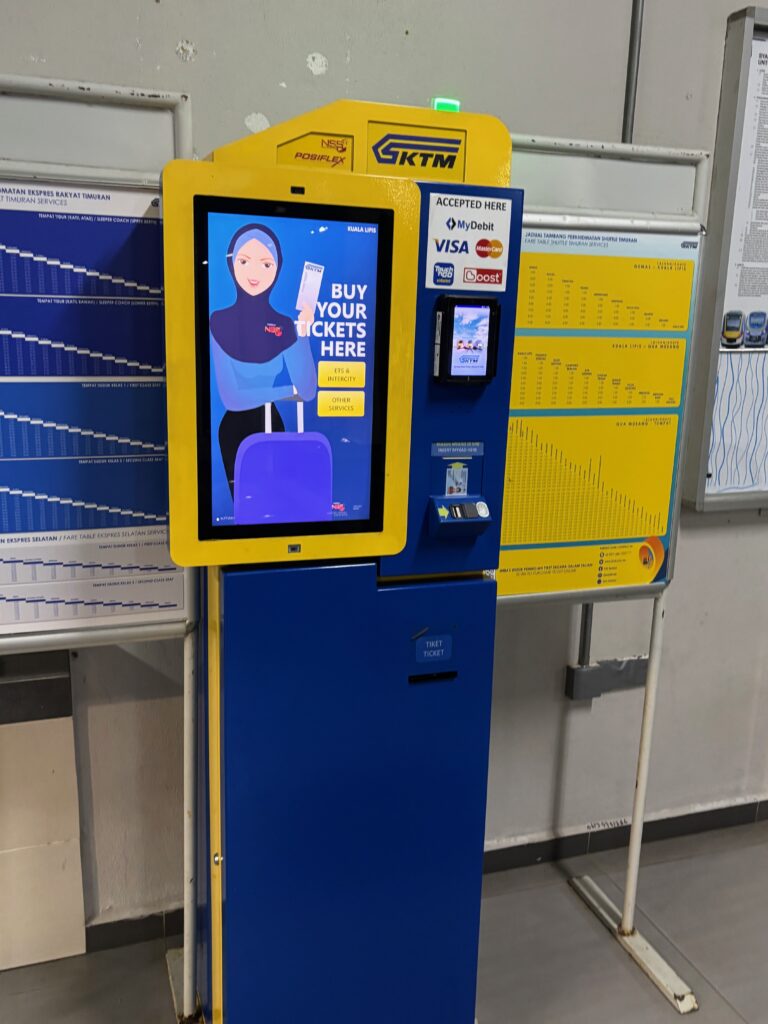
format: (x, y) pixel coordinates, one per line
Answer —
(341, 403)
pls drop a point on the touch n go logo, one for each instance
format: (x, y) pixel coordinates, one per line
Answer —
(442, 274)
(418, 154)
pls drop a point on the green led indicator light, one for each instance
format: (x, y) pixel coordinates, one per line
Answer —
(446, 103)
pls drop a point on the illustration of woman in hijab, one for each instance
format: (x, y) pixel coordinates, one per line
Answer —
(252, 343)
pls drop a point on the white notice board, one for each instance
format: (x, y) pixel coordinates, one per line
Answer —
(738, 451)
(727, 460)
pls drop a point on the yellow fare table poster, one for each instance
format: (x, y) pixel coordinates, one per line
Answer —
(598, 386)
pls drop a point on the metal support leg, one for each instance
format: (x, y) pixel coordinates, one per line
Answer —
(190, 824)
(643, 765)
(622, 925)
(633, 67)
(585, 633)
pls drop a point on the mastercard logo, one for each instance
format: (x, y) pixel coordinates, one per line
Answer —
(486, 247)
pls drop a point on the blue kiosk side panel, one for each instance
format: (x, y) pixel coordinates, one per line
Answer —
(355, 726)
(446, 415)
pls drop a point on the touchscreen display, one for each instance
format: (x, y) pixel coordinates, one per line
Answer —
(292, 339)
(469, 348)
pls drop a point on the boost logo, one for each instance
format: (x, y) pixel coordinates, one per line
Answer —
(476, 275)
(489, 247)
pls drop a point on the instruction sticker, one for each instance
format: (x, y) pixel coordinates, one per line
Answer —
(468, 242)
(457, 479)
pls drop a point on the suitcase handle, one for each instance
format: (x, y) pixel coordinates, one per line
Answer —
(299, 417)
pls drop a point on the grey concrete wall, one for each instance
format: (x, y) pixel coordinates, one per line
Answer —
(548, 66)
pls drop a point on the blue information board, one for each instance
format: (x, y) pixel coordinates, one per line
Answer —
(83, 485)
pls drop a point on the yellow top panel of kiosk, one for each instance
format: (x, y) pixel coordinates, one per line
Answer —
(384, 139)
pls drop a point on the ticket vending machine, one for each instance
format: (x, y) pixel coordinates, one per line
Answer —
(340, 303)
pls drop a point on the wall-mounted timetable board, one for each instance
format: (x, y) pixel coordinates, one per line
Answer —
(83, 474)
(598, 389)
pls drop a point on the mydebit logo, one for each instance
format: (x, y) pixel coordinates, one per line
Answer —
(470, 225)
(428, 152)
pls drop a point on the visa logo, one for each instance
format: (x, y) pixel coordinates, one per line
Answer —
(451, 245)
(416, 151)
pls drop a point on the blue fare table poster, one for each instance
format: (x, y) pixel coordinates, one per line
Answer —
(83, 488)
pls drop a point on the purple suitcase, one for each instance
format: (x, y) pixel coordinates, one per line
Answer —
(283, 478)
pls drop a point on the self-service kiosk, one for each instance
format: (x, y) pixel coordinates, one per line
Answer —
(340, 302)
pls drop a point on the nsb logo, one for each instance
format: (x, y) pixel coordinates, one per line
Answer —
(451, 245)
(417, 151)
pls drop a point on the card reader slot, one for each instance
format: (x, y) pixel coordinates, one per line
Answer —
(432, 677)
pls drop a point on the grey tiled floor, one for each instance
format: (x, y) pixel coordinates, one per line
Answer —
(703, 904)
(544, 957)
(117, 986)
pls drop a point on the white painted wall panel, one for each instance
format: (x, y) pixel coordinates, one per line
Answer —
(549, 68)
(41, 885)
(128, 731)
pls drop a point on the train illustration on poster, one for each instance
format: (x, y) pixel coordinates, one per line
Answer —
(738, 445)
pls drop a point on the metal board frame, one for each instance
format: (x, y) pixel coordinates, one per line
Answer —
(613, 168)
(100, 98)
(741, 29)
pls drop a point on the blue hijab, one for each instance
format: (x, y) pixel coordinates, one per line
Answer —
(251, 330)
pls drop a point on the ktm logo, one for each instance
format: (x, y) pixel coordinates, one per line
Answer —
(416, 151)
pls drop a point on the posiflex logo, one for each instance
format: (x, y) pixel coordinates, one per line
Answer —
(417, 151)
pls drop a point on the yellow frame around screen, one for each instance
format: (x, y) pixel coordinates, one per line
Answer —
(182, 180)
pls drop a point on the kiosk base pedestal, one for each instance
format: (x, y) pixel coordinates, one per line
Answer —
(354, 730)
